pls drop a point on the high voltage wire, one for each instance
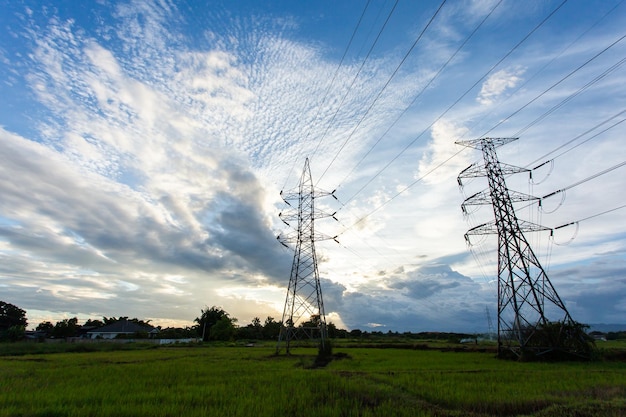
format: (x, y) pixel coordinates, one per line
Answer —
(556, 84)
(457, 153)
(369, 52)
(578, 137)
(584, 180)
(420, 93)
(403, 190)
(573, 140)
(563, 102)
(450, 158)
(460, 98)
(419, 37)
(571, 97)
(332, 81)
(590, 217)
(577, 183)
(610, 11)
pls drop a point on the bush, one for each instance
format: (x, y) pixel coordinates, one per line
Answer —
(559, 341)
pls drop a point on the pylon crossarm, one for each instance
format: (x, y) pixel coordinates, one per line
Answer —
(525, 226)
(479, 143)
(319, 214)
(472, 171)
(483, 229)
(478, 199)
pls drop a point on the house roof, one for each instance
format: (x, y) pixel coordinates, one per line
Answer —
(124, 326)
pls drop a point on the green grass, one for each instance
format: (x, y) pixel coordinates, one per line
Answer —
(238, 381)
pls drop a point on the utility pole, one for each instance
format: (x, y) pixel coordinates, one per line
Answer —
(303, 314)
(525, 294)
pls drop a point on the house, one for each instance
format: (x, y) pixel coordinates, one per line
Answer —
(121, 328)
(598, 336)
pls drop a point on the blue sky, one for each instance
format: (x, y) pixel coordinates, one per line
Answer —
(144, 146)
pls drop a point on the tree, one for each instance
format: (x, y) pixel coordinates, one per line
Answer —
(177, 333)
(11, 315)
(271, 328)
(94, 323)
(66, 328)
(45, 326)
(253, 330)
(331, 329)
(224, 329)
(111, 320)
(16, 333)
(209, 318)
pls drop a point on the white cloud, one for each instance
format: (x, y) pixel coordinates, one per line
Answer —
(498, 83)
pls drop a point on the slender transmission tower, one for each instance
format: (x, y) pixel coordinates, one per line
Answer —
(490, 331)
(525, 294)
(303, 315)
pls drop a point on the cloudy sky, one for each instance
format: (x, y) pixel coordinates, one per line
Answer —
(143, 146)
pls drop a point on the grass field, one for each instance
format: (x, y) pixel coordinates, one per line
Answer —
(239, 381)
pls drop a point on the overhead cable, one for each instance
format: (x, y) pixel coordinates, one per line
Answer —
(420, 93)
(403, 190)
(578, 137)
(612, 68)
(591, 177)
(521, 86)
(590, 217)
(356, 76)
(332, 81)
(460, 98)
(406, 55)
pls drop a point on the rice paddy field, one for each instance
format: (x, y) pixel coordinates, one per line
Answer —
(210, 380)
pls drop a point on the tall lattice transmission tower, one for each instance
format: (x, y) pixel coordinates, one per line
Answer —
(525, 294)
(303, 315)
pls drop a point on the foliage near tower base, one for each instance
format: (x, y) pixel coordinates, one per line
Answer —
(554, 341)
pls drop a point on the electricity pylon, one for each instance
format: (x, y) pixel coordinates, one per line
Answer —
(489, 324)
(525, 294)
(303, 315)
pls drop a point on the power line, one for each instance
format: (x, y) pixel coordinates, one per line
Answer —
(355, 78)
(460, 98)
(332, 81)
(574, 147)
(591, 217)
(457, 153)
(420, 93)
(571, 97)
(615, 66)
(589, 178)
(403, 190)
(406, 55)
(578, 137)
(552, 60)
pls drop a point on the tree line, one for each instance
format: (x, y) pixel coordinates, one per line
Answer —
(214, 323)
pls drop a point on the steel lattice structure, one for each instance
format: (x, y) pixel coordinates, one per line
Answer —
(525, 294)
(303, 314)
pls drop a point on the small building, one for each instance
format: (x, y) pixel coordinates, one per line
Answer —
(598, 336)
(122, 328)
